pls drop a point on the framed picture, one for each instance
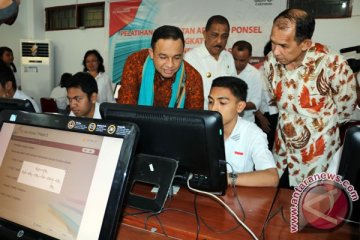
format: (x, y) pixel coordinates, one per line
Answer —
(324, 8)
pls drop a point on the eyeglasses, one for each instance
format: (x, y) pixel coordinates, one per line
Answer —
(76, 98)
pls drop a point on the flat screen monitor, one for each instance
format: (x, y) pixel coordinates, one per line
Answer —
(192, 137)
(349, 167)
(62, 177)
(16, 104)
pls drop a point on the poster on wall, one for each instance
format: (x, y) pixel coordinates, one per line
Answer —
(132, 23)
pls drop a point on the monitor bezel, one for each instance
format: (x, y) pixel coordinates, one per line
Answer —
(16, 104)
(213, 127)
(119, 188)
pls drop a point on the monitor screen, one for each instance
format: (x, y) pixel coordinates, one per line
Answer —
(16, 104)
(349, 167)
(62, 177)
(192, 137)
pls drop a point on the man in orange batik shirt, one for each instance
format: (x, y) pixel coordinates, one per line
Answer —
(314, 91)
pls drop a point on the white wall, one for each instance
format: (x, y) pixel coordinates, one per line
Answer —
(339, 33)
(70, 45)
(23, 28)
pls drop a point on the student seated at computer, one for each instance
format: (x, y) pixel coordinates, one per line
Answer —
(82, 95)
(59, 93)
(246, 145)
(8, 88)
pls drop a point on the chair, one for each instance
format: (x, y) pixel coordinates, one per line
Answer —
(349, 167)
(48, 105)
(116, 90)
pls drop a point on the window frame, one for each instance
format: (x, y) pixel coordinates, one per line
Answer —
(314, 5)
(79, 10)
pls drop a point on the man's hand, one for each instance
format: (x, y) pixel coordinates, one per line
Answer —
(264, 122)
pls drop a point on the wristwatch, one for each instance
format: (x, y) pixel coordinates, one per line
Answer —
(233, 177)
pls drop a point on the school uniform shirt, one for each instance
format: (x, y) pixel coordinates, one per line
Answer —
(96, 112)
(252, 77)
(246, 148)
(209, 67)
(105, 91)
(21, 95)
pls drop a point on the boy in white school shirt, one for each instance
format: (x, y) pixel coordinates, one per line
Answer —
(246, 145)
(82, 93)
(8, 87)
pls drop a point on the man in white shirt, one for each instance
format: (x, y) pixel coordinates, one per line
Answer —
(245, 144)
(8, 88)
(82, 95)
(242, 52)
(211, 59)
(266, 116)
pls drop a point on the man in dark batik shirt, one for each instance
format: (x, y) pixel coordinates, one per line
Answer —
(159, 76)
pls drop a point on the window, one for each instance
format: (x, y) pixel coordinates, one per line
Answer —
(91, 16)
(88, 15)
(324, 8)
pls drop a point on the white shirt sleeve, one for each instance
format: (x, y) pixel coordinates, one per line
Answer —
(260, 153)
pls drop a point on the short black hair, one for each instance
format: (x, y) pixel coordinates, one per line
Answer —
(243, 45)
(167, 32)
(267, 48)
(101, 67)
(304, 22)
(216, 19)
(5, 49)
(64, 78)
(6, 75)
(354, 64)
(237, 86)
(84, 81)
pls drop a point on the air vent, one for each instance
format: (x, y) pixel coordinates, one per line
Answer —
(32, 49)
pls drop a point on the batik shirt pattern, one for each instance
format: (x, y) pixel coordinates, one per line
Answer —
(313, 100)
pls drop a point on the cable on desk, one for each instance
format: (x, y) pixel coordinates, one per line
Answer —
(217, 231)
(281, 208)
(233, 187)
(156, 215)
(136, 213)
(196, 215)
(222, 203)
(179, 210)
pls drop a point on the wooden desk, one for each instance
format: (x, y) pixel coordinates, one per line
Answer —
(128, 232)
(278, 226)
(179, 221)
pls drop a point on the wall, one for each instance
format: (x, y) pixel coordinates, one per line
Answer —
(339, 33)
(23, 28)
(70, 45)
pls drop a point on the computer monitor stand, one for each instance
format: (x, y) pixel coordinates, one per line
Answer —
(151, 171)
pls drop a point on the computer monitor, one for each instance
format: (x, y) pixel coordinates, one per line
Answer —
(192, 137)
(16, 104)
(62, 177)
(349, 167)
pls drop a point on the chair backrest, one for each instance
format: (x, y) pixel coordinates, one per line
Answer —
(349, 167)
(116, 90)
(48, 105)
